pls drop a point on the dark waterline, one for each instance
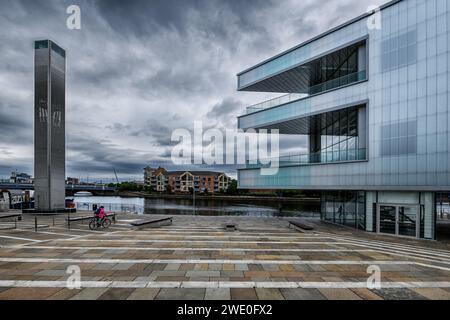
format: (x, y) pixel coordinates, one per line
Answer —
(210, 207)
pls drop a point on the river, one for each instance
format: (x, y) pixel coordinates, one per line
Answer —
(210, 207)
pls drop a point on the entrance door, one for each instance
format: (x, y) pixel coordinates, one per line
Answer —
(399, 220)
(408, 218)
(387, 219)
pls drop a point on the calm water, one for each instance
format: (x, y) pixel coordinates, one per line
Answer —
(202, 207)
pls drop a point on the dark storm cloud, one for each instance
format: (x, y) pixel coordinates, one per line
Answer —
(14, 128)
(141, 16)
(139, 69)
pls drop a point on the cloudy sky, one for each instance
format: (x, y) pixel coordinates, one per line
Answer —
(139, 69)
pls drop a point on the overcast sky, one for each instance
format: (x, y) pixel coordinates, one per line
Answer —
(139, 69)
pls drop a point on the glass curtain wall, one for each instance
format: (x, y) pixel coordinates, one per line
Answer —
(339, 138)
(344, 207)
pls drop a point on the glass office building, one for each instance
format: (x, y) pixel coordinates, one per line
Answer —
(375, 105)
(49, 115)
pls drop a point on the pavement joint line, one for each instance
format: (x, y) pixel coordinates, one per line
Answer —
(205, 261)
(222, 284)
(413, 249)
(190, 249)
(51, 233)
(20, 238)
(82, 230)
(381, 243)
(148, 237)
(204, 241)
(402, 253)
(158, 232)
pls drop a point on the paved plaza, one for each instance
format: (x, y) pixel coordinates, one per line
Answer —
(196, 258)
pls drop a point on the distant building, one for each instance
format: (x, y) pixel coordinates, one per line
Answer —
(20, 177)
(156, 178)
(161, 180)
(72, 181)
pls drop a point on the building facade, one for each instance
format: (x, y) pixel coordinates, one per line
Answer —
(374, 102)
(72, 181)
(49, 111)
(156, 178)
(20, 177)
(161, 180)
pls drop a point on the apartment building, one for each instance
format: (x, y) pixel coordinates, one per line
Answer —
(161, 180)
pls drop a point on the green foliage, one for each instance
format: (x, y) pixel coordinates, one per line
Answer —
(233, 187)
(130, 186)
(292, 193)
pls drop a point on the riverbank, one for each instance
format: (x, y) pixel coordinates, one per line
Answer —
(216, 197)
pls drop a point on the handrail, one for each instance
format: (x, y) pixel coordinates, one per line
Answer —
(328, 85)
(311, 158)
(275, 102)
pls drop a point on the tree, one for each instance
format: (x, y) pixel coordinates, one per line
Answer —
(232, 187)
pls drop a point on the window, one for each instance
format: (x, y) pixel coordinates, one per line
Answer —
(340, 136)
(399, 51)
(399, 139)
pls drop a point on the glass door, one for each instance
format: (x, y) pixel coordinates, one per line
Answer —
(387, 219)
(408, 221)
(399, 220)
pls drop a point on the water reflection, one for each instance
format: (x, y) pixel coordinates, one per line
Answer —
(210, 207)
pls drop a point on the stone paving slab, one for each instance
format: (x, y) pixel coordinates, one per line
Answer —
(217, 294)
(143, 294)
(181, 294)
(302, 294)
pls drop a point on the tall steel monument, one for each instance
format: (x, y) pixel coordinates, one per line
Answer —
(49, 134)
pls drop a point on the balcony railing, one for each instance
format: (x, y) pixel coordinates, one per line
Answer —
(329, 85)
(338, 82)
(275, 102)
(312, 158)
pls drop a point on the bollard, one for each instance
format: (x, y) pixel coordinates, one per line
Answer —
(35, 224)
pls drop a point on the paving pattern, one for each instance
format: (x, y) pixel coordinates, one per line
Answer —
(196, 258)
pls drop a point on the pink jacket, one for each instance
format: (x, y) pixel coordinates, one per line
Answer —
(102, 213)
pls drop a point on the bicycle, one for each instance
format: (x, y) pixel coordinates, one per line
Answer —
(94, 224)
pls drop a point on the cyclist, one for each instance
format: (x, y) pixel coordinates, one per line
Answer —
(100, 215)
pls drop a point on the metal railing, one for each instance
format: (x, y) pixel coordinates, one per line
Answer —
(275, 102)
(311, 158)
(115, 207)
(329, 85)
(338, 82)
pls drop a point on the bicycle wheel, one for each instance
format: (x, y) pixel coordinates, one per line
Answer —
(106, 223)
(93, 224)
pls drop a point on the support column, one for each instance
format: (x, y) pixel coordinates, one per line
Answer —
(427, 199)
(370, 215)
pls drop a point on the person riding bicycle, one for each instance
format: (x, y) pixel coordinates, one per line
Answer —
(100, 215)
(99, 220)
